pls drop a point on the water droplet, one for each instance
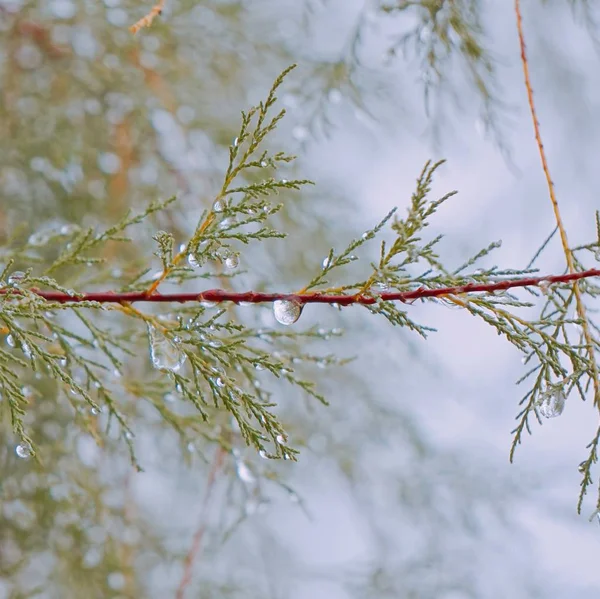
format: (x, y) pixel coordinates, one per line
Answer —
(15, 278)
(259, 367)
(219, 205)
(227, 223)
(544, 287)
(244, 473)
(39, 237)
(263, 163)
(381, 286)
(207, 304)
(326, 262)
(169, 397)
(219, 382)
(365, 235)
(23, 450)
(69, 229)
(10, 341)
(287, 311)
(582, 466)
(166, 354)
(232, 262)
(94, 411)
(551, 403)
(280, 439)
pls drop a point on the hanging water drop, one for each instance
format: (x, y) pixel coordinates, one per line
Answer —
(236, 142)
(10, 341)
(582, 466)
(263, 163)
(232, 262)
(165, 353)
(207, 304)
(15, 278)
(193, 261)
(244, 473)
(219, 205)
(551, 402)
(326, 262)
(23, 450)
(287, 311)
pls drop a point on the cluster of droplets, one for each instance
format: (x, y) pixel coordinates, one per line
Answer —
(551, 402)
(166, 353)
(287, 311)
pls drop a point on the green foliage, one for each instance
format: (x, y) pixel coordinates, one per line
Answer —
(215, 376)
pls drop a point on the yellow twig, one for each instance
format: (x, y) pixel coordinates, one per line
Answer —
(581, 312)
(149, 18)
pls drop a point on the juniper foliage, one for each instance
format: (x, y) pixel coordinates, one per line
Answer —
(72, 370)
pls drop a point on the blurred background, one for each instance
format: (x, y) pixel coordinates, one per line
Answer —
(403, 487)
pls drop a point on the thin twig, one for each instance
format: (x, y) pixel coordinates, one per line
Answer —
(197, 540)
(147, 20)
(220, 295)
(581, 312)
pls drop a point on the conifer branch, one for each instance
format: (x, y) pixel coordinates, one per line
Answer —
(590, 343)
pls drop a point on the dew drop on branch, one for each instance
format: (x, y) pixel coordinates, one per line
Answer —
(193, 261)
(287, 311)
(23, 450)
(165, 353)
(219, 206)
(232, 261)
(551, 403)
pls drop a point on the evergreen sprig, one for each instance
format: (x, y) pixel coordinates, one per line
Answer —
(204, 356)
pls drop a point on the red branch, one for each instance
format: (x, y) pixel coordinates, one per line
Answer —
(219, 295)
